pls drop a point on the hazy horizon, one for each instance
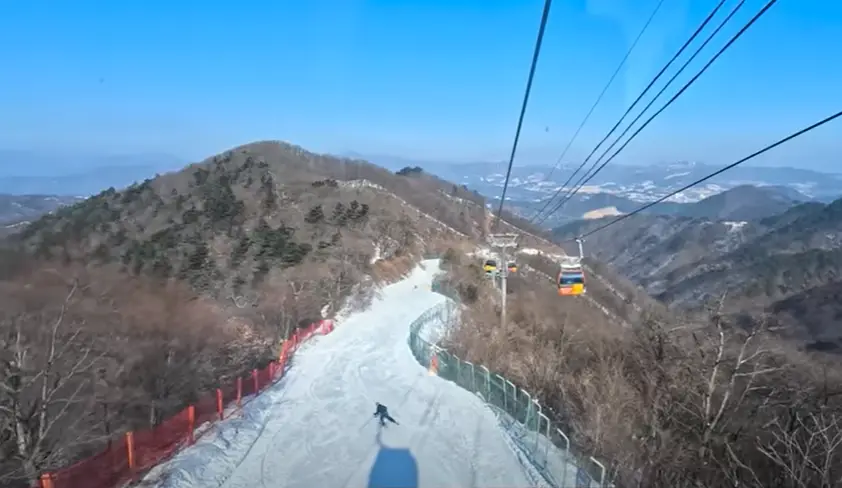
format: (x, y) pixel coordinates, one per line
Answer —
(373, 77)
(82, 162)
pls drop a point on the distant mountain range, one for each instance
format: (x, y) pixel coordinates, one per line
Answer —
(34, 173)
(743, 202)
(616, 190)
(788, 264)
(621, 188)
(17, 208)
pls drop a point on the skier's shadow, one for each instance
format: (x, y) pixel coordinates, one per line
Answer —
(393, 468)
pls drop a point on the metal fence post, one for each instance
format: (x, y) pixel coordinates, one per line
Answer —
(547, 435)
(528, 403)
(473, 377)
(601, 471)
(458, 368)
(564, 436)
(505, 393)
(487, 382)
(514, 396)
(537, 424)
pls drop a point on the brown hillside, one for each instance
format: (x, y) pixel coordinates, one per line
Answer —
(690, 264)
(667, 401)
(249, 215)
(813, 316)
(98, 354)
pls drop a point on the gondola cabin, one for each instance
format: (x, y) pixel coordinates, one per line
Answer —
(571, 280)
(512, 267)
(490, 266)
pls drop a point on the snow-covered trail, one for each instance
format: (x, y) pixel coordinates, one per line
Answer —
(315, 427)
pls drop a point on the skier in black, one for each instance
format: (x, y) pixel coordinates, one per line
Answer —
(383, 413)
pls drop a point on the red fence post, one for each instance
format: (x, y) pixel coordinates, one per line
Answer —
(254, 378)
(46, 480)
(130, 449)
(191, 423)
(282, 350)
(239, 391)
(434, 364)
(219, 403)
(285, 349)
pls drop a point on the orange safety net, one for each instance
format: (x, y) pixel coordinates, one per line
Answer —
(152, 446)
(128, 456)
(206, 409)
(229, 392)
(264, 377)
(249, 388)
(107, 469)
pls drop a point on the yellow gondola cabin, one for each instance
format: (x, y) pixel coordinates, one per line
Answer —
(571, 279)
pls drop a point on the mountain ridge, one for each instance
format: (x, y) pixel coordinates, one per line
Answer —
(637, 182)
(759, 266)
(742, 202)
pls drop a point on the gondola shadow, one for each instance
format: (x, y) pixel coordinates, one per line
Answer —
(393, 468)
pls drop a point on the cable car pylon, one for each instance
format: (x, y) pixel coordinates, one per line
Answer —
(503, 242)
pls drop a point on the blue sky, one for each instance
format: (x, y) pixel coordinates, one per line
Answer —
(428, 79)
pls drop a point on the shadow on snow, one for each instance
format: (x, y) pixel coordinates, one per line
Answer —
(393, 468)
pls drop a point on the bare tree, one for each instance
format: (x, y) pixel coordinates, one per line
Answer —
(806, 448)
(177, 350)
(729, 380)
(273, 311)
(290, 299)
(384, 240)
(47, 365)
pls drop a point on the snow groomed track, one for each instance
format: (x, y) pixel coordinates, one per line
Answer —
(315, 426)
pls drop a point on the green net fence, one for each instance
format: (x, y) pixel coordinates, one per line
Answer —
(541, 440)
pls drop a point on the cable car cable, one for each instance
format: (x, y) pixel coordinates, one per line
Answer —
(544, 16)
(674, 97)
(587, 177)
(715, 173)
(591, 173)
(634, 103)
(599, 99)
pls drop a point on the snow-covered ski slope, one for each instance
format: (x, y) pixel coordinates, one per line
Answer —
(315, 427)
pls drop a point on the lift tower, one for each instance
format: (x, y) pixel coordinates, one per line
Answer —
(502, 243)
